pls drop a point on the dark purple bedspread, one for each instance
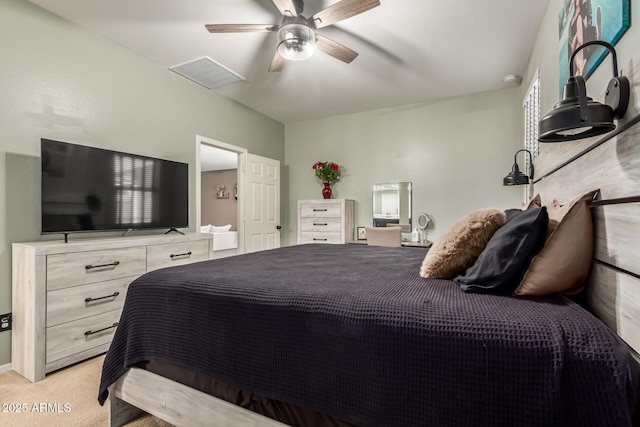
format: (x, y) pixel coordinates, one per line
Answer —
(354, 331)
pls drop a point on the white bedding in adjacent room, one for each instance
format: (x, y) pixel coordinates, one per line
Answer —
(225, 240)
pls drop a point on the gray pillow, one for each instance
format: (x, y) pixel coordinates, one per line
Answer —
(502, 264)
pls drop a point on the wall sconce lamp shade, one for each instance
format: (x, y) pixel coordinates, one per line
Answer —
(515, 177)
(577, 116)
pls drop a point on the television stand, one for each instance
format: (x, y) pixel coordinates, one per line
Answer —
(174, 229)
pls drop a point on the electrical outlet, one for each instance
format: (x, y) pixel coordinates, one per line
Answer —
(5, 322)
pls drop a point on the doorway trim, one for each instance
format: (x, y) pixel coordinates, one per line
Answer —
(203, 140)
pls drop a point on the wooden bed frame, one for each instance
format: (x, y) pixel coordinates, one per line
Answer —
(175, 403)
(610, 163)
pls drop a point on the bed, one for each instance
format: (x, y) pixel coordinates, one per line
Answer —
(351, 335)
(370, 342)
(224, 241)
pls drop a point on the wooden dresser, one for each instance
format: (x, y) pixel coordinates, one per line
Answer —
(67, 297)
(325, 221)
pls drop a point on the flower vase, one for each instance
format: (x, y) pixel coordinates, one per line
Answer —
(326, 191)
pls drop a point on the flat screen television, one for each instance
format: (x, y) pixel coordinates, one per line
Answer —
(86, 189)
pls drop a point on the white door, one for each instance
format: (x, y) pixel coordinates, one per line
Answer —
(262, 203)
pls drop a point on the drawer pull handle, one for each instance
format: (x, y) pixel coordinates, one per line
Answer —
(113, 295)
(187, 254)
(320, 210)
(87, 333)
(320, 223)
(112, 264)
(323, 240)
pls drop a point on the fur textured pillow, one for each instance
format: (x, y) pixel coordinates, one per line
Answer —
(459, 248)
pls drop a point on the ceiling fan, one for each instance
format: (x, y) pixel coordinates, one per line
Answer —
(296, 35)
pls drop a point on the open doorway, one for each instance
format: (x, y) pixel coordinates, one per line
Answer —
(219, 187)
(219, 191)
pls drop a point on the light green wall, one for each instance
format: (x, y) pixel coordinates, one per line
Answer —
(62, 82)
(455, 151)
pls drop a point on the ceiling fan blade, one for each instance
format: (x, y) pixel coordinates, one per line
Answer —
(240, 28)
(335, 49)
(286, 7)
(341, 10)
(277, 63)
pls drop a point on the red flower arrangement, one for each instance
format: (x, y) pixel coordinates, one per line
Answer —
(327, 171)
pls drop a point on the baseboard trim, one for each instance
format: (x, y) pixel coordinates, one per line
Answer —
(6, 367)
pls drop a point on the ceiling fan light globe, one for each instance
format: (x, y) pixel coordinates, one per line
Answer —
(296, 42)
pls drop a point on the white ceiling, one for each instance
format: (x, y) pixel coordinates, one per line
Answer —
(410, 50)
(215, 159)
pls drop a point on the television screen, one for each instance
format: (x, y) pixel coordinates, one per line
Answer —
(91, 189)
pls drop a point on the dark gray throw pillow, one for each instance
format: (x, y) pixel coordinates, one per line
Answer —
(505, 259)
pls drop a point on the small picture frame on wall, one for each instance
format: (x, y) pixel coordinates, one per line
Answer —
(362, 233)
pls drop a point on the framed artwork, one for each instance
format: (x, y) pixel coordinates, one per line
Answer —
(582, 21)
(362, 233)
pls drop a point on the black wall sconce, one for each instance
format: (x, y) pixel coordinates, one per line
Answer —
(577, 116)
(515, 177)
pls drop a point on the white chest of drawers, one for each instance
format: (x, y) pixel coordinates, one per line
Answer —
(67, 297)
(325, 221)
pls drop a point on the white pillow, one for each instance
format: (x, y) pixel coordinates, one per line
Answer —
(221, 229)
(206, 228)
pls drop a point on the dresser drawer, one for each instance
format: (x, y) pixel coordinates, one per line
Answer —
(77, 302)
(320, 210)
(170, 254)
(69, 338)
(320, 237)
(320, 224)
(79, 268)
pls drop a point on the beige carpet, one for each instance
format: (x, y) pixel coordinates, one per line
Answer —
(64, 398)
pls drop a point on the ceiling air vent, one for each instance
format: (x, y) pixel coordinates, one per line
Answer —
(207, 72)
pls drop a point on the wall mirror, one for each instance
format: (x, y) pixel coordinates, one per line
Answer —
(392, 204)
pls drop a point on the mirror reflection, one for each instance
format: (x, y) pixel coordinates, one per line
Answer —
(392, 204)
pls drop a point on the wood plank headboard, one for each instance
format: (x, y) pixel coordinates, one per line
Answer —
(610, 163)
